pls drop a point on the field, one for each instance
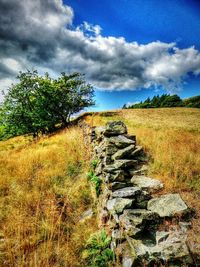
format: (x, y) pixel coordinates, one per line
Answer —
(44, 188)
(171, 137)
(43, 192)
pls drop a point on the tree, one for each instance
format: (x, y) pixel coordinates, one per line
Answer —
(40, 104)
(172, 101)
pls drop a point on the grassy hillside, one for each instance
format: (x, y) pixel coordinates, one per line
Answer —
(43, 192)
(171, 136)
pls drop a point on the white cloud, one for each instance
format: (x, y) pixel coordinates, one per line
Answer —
(40, 34)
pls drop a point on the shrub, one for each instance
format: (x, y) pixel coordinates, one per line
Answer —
(96, 181)
(97, 252)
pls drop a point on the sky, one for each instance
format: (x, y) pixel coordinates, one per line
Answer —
(128, 49)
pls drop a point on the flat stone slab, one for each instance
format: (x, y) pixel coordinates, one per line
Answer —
(126, 192)
(168, 205)
(118, 185)
(120, 141)
(117, 205)
(147, 183)
(124, 153)
(120, 164)
(125, 163)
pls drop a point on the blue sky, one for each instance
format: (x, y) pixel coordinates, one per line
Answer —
(128, 49)
(143, 21)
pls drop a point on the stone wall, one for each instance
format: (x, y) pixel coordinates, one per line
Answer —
(147, 228)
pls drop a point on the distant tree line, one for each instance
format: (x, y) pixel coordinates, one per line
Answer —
(40, 104)
(166, 100)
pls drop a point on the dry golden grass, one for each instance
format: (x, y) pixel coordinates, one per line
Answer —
(43, 191)
(171, 136)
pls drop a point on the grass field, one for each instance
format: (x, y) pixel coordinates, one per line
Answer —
(171, 136)
(43, 192)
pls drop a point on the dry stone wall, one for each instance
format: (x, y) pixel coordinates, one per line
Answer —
(145, 230)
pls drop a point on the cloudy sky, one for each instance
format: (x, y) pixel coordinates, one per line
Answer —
(127, 49)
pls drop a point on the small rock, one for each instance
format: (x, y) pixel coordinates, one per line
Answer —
(117, 205)
(147, 183)
(86, 215)
(142, 200)
(161, 236)
(118, 235)
(168, 205)
(141, 171)
(98, 131)
(115, 128)
(115, 176)
(127, 261)
(131, 136)
(107, 160)
(127, 192)
(138, 151)
(111, 149)
(184, 226)
(99, 169)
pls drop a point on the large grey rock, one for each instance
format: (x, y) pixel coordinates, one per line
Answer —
(171, 252)
(127, 192)
(117, 205)
(124, 153)
(172, 248)
(147, 183)
(121, 141)
(115, 128)
(168, 205)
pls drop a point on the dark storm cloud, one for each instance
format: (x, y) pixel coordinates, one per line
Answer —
(40, 34)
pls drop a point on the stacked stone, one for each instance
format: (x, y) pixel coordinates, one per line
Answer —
(127, 208)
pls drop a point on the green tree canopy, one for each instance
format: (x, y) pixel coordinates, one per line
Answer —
(167, 100)
(38, 104)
